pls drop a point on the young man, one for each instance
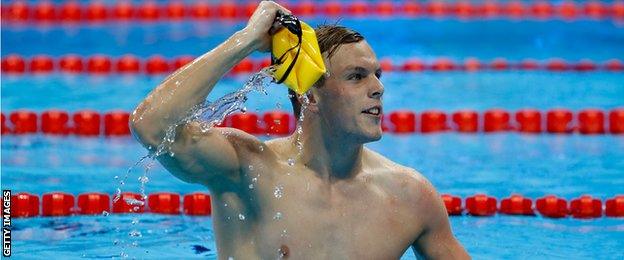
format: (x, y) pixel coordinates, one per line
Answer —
(338, 200)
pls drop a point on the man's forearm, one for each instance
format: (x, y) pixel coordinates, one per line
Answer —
(187, 87)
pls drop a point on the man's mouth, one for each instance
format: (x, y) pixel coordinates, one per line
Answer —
(376, 111)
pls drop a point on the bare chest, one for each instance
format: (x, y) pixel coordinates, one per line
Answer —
(290, 214)
(343, 222)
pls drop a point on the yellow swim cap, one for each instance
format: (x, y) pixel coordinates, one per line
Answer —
(296, 51)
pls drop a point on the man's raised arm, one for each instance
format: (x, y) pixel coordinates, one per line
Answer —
(198, 153)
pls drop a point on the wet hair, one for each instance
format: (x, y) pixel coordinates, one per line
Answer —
(329, 37)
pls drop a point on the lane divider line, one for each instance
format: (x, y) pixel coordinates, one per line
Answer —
(100, 64)
(45, 12)
(91, 123)
(198, 204)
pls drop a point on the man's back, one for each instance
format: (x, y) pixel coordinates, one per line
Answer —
(277, 208)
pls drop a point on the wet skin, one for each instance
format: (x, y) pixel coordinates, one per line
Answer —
(338, 200)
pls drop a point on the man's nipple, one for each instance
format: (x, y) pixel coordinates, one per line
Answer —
(284, 252)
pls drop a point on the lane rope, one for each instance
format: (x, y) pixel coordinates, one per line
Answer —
(45, 12)
(198, 204)
(100, 64)
(91, 123)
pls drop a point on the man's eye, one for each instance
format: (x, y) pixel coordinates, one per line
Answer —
(355, 77)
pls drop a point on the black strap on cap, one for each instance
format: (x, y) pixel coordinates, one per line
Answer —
(293, 24)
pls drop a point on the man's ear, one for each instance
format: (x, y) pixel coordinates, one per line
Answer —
(312, 104)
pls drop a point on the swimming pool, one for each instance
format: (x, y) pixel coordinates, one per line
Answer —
(496, 164)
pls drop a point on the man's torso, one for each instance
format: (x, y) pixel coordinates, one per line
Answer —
(278, 209)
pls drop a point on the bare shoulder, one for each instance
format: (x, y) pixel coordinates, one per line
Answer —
(407, 182)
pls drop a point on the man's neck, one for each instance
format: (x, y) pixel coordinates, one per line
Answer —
(331, 157)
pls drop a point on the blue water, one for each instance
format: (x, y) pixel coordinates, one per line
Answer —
(394, 38)
(496, 164)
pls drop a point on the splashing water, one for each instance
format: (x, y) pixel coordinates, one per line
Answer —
(211, 114)
(208, 114)
(134, 202)
(304, 106)
(279, 191)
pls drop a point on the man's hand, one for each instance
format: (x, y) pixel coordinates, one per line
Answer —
(260, 23)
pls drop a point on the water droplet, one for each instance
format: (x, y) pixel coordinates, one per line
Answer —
(115, 242)
(143, 179)
(251, 167)
(225, 204)
(251, 186)
(284, 233)
(135, 233)
(278, 216)
(105, 213)
(243, 109)
(241, 217)
(133, 201)
(177, 83)
(278, 105)
(135, 244)
(135, 221)
(171, 154)
(261, 148)
(230, 258)
(116, 177)
(135, 209)
(254, 179)
(279, 191)
(291, 161)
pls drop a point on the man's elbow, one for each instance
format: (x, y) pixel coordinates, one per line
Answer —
(143, 132)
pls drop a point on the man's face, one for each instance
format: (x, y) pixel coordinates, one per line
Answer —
(349, 102)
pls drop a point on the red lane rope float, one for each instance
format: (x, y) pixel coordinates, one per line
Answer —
(71, 63)
(453, 204)
(57, 204)
(527, 121)
(164, 203)
(46, 12)
(481, 205)
(122, 205)
(99, 64)
(55, 122)
(516, 205)
(552, 206)
(93, 203)
(496, 120)
(199, 204)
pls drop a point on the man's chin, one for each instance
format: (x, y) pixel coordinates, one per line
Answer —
(372, 136)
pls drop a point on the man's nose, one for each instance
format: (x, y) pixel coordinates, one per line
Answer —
(377, 90)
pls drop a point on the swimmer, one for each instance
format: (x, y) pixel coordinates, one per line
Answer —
(339, 200)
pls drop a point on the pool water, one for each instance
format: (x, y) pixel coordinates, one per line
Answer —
(460, 164)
